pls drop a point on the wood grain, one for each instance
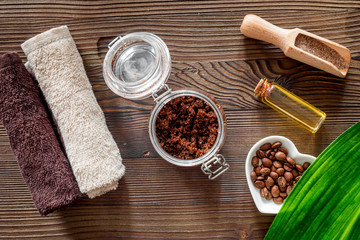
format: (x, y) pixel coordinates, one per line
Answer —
(157, 200)
(88, 9)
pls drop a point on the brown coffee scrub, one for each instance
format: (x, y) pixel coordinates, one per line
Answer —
(321, 50)
(275, 177)
(187, 127)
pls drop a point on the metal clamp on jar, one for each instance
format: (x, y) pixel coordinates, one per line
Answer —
(137, 66)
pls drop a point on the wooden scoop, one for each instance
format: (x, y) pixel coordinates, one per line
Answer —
(300, 45)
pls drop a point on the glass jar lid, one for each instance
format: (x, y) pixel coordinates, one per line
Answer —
(136, 65)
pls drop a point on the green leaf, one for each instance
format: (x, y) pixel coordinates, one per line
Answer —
(325, 203)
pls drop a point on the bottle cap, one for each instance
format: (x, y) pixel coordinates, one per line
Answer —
(261, 88)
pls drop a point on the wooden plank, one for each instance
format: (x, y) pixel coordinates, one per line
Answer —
(214, 37)
(108, 9)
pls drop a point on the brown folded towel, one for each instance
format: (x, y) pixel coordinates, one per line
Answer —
(42, 163)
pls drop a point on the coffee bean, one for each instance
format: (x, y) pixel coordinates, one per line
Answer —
(278, 200)
(288, 176)
(277, 164)
(273, 169)
(281, 149)
(297, 178)
(255, 161)
(288, 189)
(262, 193)
(257, 170)
(290, 160)
(287, 167)
(299, 168)
(260, 178)
(272, 157)
(275, 192)
(306, 165)
(259, 184)
(280, 171)
(273, 174)
(283, 189)
(269, 182)
(280, 156)
(283, 194)
(268, 195)
(260, 154)
(267, 162)
(265, 146)
(273, 153)
(276, 145)
(268, 153)
(288, 183)
(294, 173)
(253, 176)
(265, 171)
(281, 181)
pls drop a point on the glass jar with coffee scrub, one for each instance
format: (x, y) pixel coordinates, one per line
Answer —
(187, 127)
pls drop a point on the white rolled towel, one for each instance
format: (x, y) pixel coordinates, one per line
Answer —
(90, 147)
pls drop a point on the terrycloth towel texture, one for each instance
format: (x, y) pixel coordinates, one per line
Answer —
(43, 165)
(90, 147)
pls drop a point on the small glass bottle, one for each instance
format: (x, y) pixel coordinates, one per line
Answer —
(290, 105)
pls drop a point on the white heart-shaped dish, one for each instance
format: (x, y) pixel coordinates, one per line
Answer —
(263, 205)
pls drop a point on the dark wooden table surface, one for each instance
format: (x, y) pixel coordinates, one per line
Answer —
(157, 200)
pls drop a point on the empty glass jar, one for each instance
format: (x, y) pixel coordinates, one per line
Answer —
(137, 66)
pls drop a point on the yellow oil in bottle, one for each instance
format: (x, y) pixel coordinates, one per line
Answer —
(290, 105)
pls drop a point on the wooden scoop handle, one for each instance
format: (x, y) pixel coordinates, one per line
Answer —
(258, 28)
